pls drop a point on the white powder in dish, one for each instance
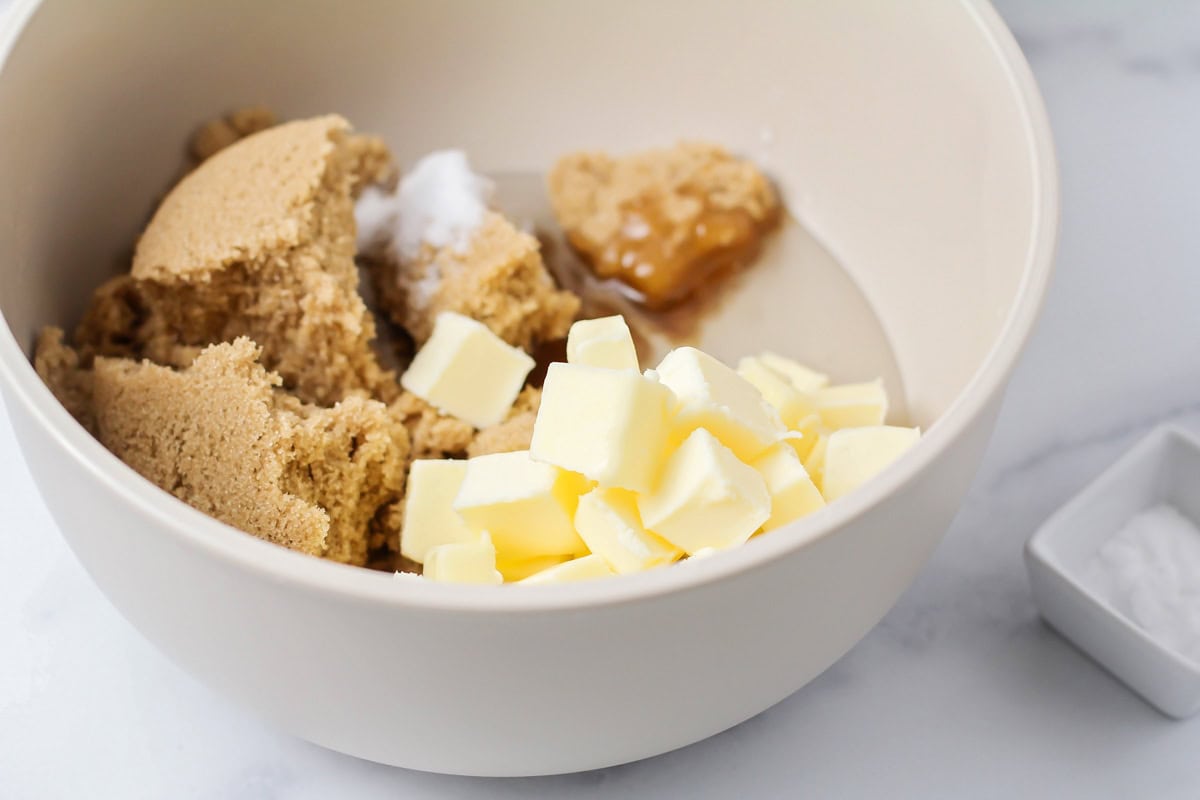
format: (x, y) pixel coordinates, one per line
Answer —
(439, 202)
(1149, 571)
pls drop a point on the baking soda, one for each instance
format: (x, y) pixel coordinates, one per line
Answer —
(439, 202)
(1149, 571)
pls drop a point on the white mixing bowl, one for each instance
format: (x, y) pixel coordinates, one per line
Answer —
(908, 137)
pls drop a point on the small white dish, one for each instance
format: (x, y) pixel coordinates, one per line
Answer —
(1162, 468)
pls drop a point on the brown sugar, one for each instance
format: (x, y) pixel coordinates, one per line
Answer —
(257, 241)
(217, 134)
(499, 279)
(215, 437)
(432, 433)
(59, 367)
(664, 221)
(233, 365)
(372, 159)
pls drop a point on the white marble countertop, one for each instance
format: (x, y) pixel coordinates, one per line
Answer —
(961, 691)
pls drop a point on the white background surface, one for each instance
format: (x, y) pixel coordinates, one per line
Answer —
(961, 691)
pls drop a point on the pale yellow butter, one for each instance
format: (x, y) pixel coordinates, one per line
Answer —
(800, 376)
(810, 429)
(793, 494)
(466, 371)
(608, 522)
(707, 497)
(610, 425)
(791, 404)
(814, 463)
(858, 454)
(429, 516)
(704, 552)
(463, 562)
(852, 405)
(585, 568)
(528, 507)
(519, 569)
(712, 396)
(604, 342)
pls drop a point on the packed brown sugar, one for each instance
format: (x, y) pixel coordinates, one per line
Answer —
(235, 364)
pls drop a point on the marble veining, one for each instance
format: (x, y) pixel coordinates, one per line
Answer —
(959, 692)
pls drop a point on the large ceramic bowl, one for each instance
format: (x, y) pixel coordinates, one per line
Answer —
(908, 138)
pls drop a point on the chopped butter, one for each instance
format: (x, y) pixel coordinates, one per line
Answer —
(429, 516)
(707, 497)
(801, 377)
(519, 569)
(810, 429)
(463, 562)
(610, 425)
(852, 405)
(853, 456)
(528, 507)
(791, 404)
(608, 522)
(604, 342)
(585, 568)
(466, 371)
(714, 397)
(814, 463)
(793, 494)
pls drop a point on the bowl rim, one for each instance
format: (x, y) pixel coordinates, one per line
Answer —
(267, 561)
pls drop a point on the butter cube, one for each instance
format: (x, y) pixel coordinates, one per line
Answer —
(791, 404)
(814, 464)
(610, 425)
(463, 562)
(467, 371)
(528, 507)
(793, 494)
(519, 569)
(810, 429)
(608, 522)
(852, 405)
(604, 342)
(707, 497)
(429, 516)
(714, 397)
(800, 376)
(585, 568)
(858, 454)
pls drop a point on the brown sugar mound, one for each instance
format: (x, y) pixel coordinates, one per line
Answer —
(257, 241)
(217, 134)
(499, 279)
(432, 433)
(437, 435)
(215, 436)
(663, 221)
(374, 163)
(59, 367)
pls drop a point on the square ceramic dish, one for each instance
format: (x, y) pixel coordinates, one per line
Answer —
(1162, 468)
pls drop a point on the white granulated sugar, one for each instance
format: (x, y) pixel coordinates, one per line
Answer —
(375, 219)
(421, 291)
(439, 202)
(1149, 571)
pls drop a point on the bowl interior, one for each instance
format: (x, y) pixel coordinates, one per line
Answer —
(897, 140)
